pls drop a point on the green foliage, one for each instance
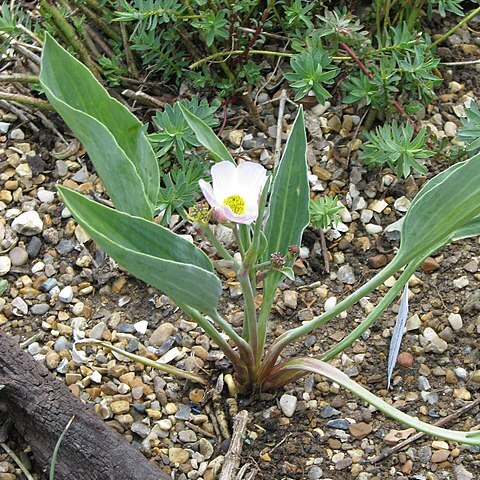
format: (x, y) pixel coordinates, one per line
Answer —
(470, 130)
(175, 133)
(324, 212)
(444, 6)
(3, 286)
(398, 147)
(114, 137)
(180, 188)
(214, 26)
(311, 69)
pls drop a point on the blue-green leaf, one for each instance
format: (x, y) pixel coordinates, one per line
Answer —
(149, 251)
(114, 138)
(206, 136)
(288, 210)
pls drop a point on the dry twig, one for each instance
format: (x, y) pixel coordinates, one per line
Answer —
(232, 458)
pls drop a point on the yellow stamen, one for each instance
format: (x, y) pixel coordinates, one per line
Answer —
(236, 204)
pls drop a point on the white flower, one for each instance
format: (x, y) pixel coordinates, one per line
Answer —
(236, 191)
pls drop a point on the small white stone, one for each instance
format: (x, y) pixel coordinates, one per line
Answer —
(5, 265)
(19, 306)
(28, 223)
(288, 404)
(402, 204)
(372, 229)
(413, 323)
(366, 215)
(330, 303)
(17, 134)
(66, 294)
(45, 196)
(461, 282)
(141, 326)
(24, 171)
(455, 321)
(450, 129)
(320, 109)
(4, 127)
(96, 377)
(38, 267)
(345, 215)
(97, 331)
(378, 206)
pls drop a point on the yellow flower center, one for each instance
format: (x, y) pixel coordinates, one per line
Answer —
(236, 204)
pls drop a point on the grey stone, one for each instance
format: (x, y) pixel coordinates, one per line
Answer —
(5, 265)
(19, 305)
(4, 127)
(40, 309)
(183, 412)
(125, 328)
(161, 333)
(288, 404)
(17, 134)
(187, 436)
(66, 294)
(315, 473)
(65, 246)
(18, 256)
(346, 275)
(392, 232)
(34, 348)
(338, 423)
(45, 196)
(329, 412)
(140, 429)
(61, 344)
(28, 223)
(461, 473)
(97, 331)
(33, 247)
(48, 284)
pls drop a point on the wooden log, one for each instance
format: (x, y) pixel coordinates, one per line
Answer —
(40, 407)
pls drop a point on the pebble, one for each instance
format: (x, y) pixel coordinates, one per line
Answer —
(461, 282)
(45, 196)
(461, 473)
(330, 303)
(97, 331)
(28, 223)
(183, 412)
(18, 256)
(455, 321)
(288, 404)
(161, 333)
(450, 129)
(178, 455)
(33, 247)
(120, 406)
(5, 265)
(378, 261)
(430, 265)
(17, 134)
(433, 342)
(440, 456)
(34, 348)
(372, 229)
(405, 359)
(346, 275)
(290, 299)
(40, 309)
(4, 127)
(141, 326)
(140, 428)
(66, 294)
(359, 430)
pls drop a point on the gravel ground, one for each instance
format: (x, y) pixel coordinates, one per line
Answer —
(58, 283)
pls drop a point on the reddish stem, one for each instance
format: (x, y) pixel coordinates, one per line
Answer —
(224, 121)
(370, 76)
(257, 32)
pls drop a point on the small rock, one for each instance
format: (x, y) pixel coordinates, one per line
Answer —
(5, 265)
(288, 404)
(97, 331)
(378, 261)
(339, 423)
(290, 298)
(28, 223)
(17, 134)
(440, 456)
(346, 275)
(413, 323)
(161, 333)
(359, 430)
(461, 282)
(372, 229)
(18, 256)
(461, 473)
(405, 359)
(34, 348)
(178, 455)
(402, 204)
(66, 294)
(330, 303)
(187, 436)
(141, 326)
(119, 407)
(434, 343)
(450, 129)
(140, 428)
(430, 265)
(455, 321)
(45, 196)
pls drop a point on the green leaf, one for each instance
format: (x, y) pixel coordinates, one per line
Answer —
(288, 211)
(149, 251)
(3, 286)
(288, 272)
(312, 365)
(443, 207)
(114, 138)
(206, 136)
(469, 229)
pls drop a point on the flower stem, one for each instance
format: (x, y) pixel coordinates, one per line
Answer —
(455, 28)
(207, 230)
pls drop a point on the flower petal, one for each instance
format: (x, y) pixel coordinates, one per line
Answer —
(247, 218)
(223, 179)
(207, 191)
(251, 178)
